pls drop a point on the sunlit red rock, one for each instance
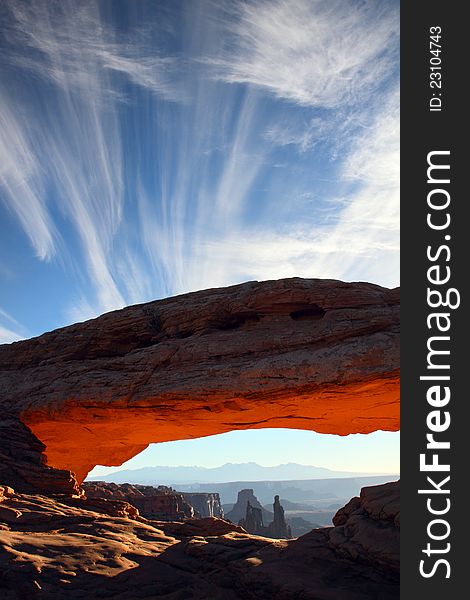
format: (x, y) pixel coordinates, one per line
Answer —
(300, 353)
(58, 549)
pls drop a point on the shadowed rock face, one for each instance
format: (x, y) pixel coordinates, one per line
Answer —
(206, 504)
(66, 548)
(238, 511)
(301, 353)
(253, 520)
(160, 503)
(23, 462)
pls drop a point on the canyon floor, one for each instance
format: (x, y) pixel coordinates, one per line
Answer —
(73, 547)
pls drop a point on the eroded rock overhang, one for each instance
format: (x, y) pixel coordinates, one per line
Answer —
(313, 354)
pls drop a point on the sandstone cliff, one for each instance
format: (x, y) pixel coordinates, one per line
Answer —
(310, 354)
(253, 521)
(64, 548)
(238, 511)
(301, 353)
(161, 502)
(206, 504)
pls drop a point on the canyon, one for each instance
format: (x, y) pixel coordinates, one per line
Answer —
(160, 502)
(68, 548)
(313, 354)
(238, 510)
(253, 521)
(153, 502)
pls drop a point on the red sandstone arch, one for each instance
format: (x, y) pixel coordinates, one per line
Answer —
(300, 353)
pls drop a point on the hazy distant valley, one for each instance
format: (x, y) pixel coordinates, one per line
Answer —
(250, 471)
(310, 495)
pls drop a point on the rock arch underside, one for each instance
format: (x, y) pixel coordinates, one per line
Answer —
(309, 354)
(302, 353)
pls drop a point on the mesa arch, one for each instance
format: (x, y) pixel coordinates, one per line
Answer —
(309, 354)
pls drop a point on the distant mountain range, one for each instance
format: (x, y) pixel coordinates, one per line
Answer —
(229, 472)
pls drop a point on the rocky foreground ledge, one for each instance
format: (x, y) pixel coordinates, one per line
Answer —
(64, 547)
(313, 354)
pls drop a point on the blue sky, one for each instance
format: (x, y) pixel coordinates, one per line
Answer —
(374, 453)
(153, 148)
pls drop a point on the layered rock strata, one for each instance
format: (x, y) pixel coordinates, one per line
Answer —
(206, 504)
(161, 502)
(51, 549)
(245, 497)
(253, 521)
(301, 353)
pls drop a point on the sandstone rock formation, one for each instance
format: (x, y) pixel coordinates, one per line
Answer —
(357, 535)
(301, 353)
(245, 497)
(278, 527)
(206, 504)
(160, 503)
(253, 520)
(55, 550)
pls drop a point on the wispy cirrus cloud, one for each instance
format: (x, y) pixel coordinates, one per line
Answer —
(312, 52)
(204, 183)
(302, 135)
(264, 146)
(365, 240)
(10, 329)
(7, 336)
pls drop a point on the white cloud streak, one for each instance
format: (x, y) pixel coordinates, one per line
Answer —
(362, 242)
(312, 52)
(323, 55)
(75, 44)
(81, 136)
(7, 336)
(21, 180)
(79, 133)
(304, 136)
(169, 213)
(327, 55)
